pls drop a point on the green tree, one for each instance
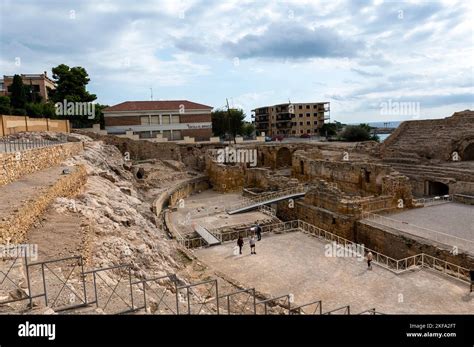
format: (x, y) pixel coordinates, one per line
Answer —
(356, 133)
(71, 85)
(228, 122)
(331, 129)
(18, 95)
(5, 105)
(34, 110)
(248, 129)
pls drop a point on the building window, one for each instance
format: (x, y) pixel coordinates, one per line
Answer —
(301, 131)
(315, 122)
(165, 119)
(315, 114)
(145, 120)
(308, 123)
(300, 107)
(175, 119)
(307, 107)
(301, 123)
(301, 115)
(315, 106)
(155, 119)
(308, 131)
(293, 132)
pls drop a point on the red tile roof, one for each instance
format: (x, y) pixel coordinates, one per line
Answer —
(156, 106)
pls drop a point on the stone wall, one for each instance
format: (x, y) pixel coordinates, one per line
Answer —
(398, 246)
(183, 190)
(424, 140)
(14, 227)
(226, 178)
(16, 165)
(139, 150)
(352, 177)
(336, 223)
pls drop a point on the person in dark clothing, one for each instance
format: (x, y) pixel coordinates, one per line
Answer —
(258, 231)
(240, 243)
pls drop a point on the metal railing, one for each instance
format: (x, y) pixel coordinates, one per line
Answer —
(156, 294)
(267, 210)
(434, 200)
(398, 266)
(159, 295)
(57, 299)
(312, 308)
(195, 302)
(341, 310)
(371, 312)
(249, 306)
(111, 296)
(283, 301)
(443, 238)
(267, 197)
(232, 235)
(9, 145)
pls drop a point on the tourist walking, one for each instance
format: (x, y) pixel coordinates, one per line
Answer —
(252, 245)
(370, 256)
(240, 243)
(258, 230)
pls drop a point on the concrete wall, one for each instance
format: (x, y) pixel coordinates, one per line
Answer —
(15, 124)
(16, 165)
(397, 245)
(15, 226)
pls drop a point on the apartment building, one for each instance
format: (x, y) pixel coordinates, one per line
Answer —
(291, 119)
(40, 84)
(173, 119)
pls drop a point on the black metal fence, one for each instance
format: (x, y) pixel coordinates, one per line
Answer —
(12, 145)
(64, 285)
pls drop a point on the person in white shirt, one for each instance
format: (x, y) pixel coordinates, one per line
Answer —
(252, 245)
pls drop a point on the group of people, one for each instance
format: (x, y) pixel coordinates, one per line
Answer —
(257, 229)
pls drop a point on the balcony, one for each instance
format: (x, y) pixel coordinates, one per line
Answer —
(261, 119)
(284, 117)
(283, 125)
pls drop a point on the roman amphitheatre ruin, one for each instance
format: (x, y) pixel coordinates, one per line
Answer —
(138, 227)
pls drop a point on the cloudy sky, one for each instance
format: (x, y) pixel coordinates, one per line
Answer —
(358, 55)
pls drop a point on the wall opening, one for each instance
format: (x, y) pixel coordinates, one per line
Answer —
(468, 153)
(140, 173)
(301, 167)
(437, 188)
(283, 157)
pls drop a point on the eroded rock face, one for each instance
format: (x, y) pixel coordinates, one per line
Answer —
(124, 229)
